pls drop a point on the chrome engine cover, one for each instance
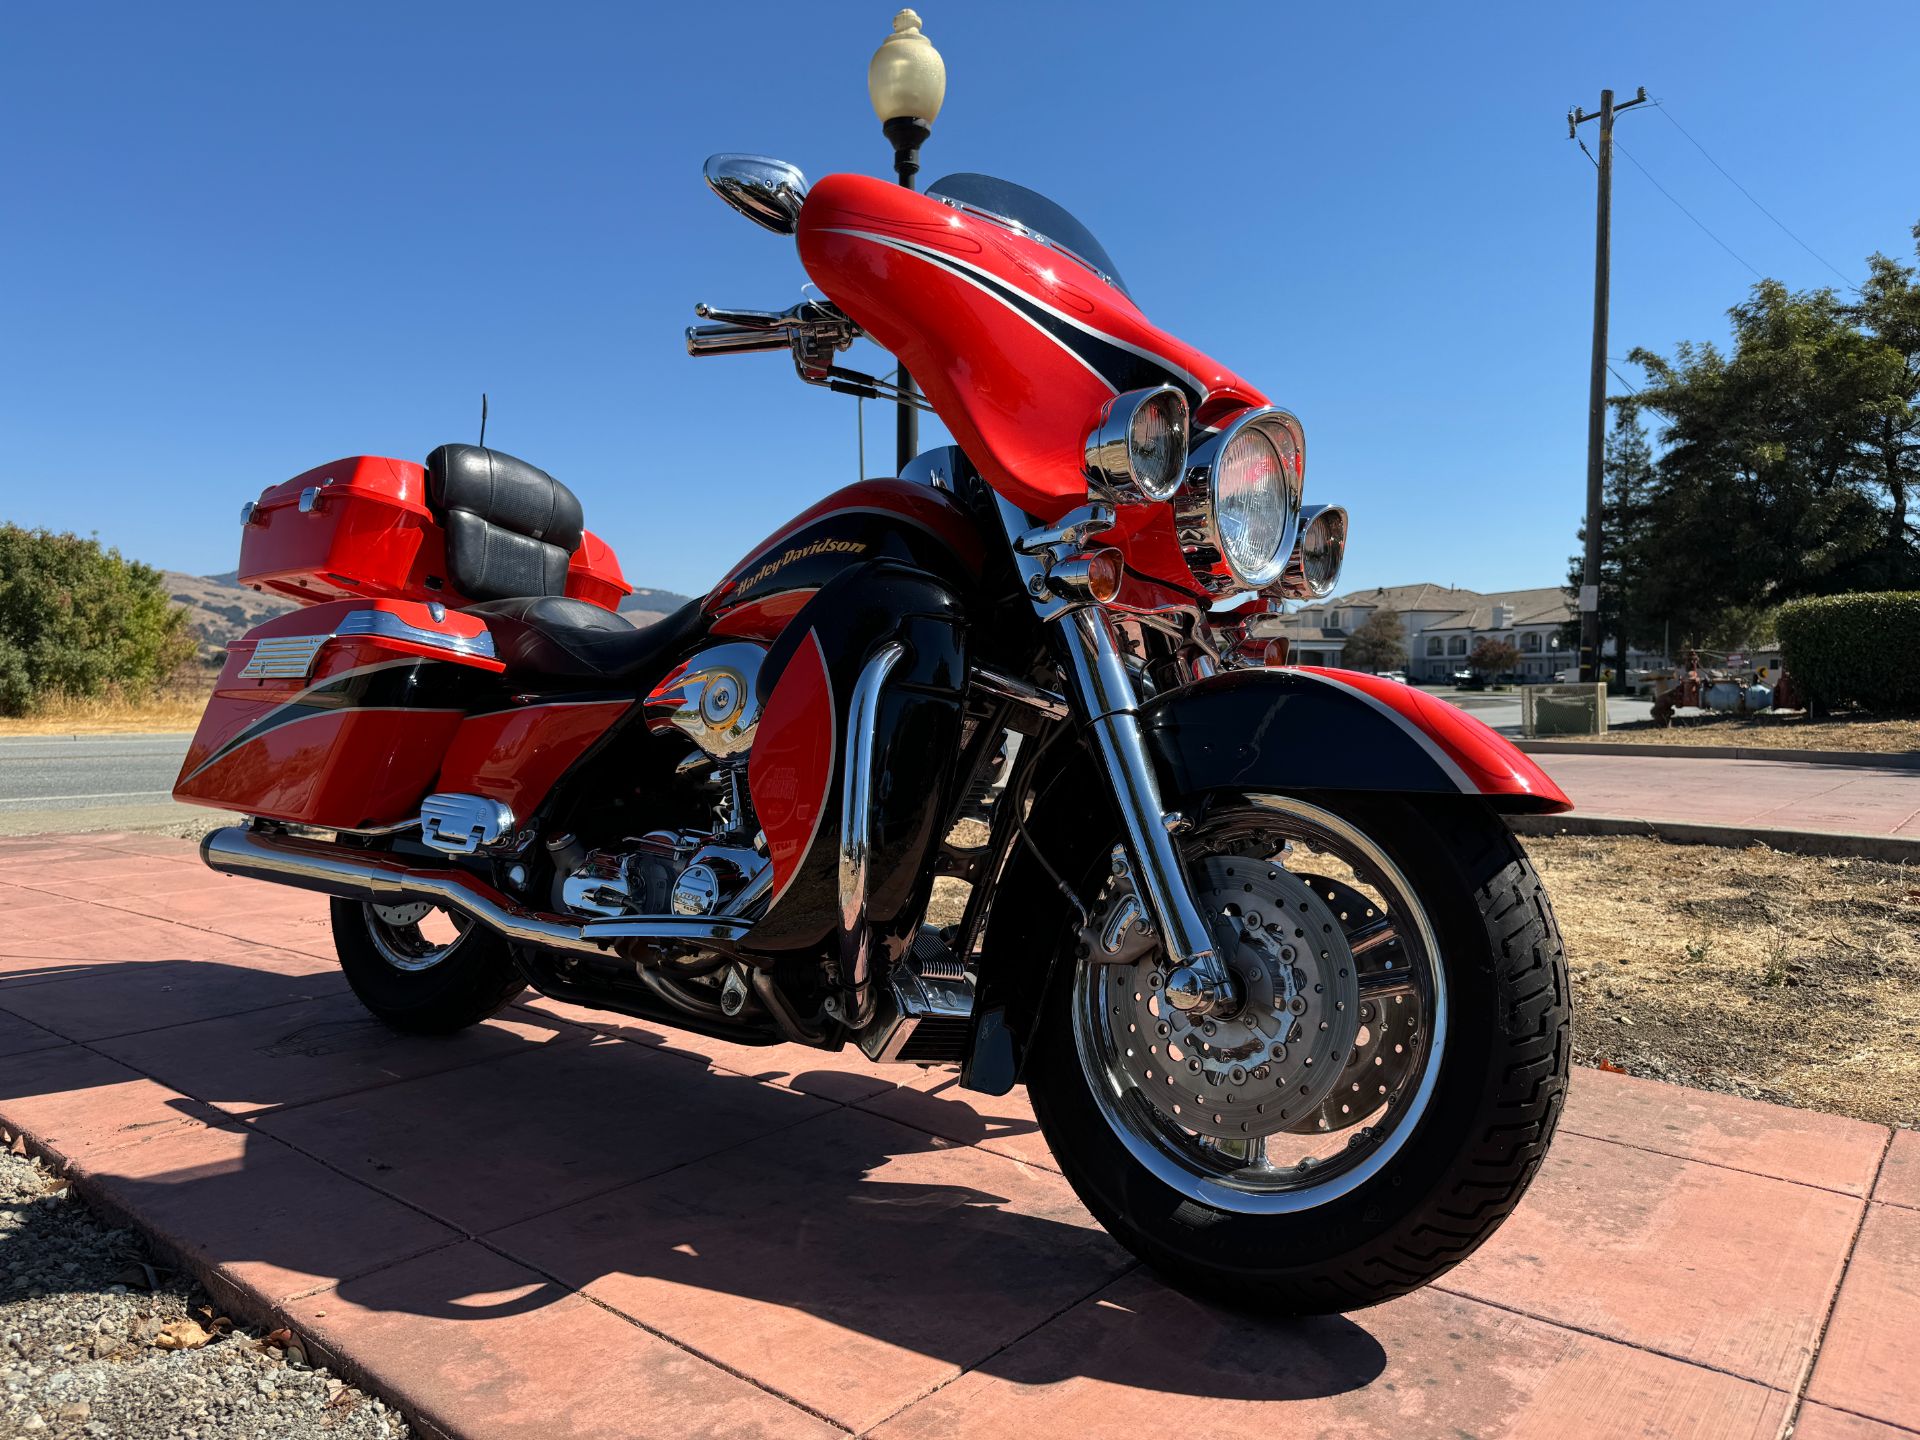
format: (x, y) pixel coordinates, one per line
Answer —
(651, 875)
(711, 699)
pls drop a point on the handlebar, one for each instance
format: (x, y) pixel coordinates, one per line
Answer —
(733, 339)
(810, 325)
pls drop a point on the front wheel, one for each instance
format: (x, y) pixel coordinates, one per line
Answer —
(1383, 1088)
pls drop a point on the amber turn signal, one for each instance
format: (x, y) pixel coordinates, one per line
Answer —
(1093, 576)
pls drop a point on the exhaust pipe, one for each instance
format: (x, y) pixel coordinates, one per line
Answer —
(381, 879)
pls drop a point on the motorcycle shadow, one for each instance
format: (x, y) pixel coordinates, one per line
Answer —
(739, 1218)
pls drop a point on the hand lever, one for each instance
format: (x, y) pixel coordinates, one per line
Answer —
(747, 319)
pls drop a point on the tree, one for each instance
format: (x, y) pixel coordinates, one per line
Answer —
(78, 620)
(1789, 464)
(1377, 643)
(1493, 657)
(1629, 481)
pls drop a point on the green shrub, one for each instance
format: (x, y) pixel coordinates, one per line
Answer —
(78, 620)
(1858, 649)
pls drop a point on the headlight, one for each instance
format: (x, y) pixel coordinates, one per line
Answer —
(1241, 508)
(1315, 563)
(1137, 450)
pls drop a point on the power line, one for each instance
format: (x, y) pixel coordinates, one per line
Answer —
(1622, 379)
(1661, 105)
(1686, 212)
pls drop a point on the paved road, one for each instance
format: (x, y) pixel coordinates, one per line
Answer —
(1501, 709)
(122, 782)
(97, 782)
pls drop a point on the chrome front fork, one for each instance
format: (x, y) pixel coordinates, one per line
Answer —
(1101, 692)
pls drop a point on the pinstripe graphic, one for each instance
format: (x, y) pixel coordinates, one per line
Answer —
(1448, 765)
(1076, 337)
(300, 706)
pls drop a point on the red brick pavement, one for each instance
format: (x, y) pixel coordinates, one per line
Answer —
(568, 1224)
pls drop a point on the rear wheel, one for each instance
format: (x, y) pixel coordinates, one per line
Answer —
(421, 969)
(1379, 1098)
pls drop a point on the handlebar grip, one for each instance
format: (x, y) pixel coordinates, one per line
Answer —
(733, 339)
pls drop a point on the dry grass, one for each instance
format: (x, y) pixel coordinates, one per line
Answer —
(1786, 731)
(175, 709)
(1782, 977)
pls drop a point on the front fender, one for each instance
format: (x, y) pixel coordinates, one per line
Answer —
(1290, 731)
(1306, 728)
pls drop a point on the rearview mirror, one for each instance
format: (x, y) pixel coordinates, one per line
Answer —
(768, 192)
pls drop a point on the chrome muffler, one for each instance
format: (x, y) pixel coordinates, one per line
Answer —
(383, 879)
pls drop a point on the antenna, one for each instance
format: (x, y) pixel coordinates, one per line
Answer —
(483, 419)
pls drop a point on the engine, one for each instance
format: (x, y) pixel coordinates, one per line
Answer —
(710, 702)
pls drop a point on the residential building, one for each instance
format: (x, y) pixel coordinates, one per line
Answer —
(1442, 624)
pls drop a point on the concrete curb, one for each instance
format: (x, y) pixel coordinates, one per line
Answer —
(1893, 849)
(1864, 759)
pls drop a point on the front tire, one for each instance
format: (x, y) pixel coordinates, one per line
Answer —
(1348, 1217)
(417, 978)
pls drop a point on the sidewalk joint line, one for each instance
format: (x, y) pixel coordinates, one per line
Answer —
(677, 1344)
(1833, 1301)
(1716, 1164)
(183, 924)
(1594, 1334)
(965, 1370)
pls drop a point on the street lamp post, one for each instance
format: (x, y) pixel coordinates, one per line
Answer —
(906, 80)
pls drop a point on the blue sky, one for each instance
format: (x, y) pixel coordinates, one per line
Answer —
(237, 241)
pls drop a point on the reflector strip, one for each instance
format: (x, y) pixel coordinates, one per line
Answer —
(283, 657)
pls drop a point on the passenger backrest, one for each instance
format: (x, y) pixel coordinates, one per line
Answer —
(511, 527)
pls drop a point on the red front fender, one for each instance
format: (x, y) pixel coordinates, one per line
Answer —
(1308, 728)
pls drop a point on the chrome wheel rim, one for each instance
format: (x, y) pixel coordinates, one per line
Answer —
(1321, 1077)
(398, 936)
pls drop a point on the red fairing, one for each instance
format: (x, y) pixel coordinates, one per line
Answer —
(792, 762)
(366, 532)
(1015, 343)
(783, 571)
(1490, 762)
(515, 756)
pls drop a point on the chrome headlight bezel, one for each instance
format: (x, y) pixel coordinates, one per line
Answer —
(1112, 460)
(1197, 505)
(1314, 567)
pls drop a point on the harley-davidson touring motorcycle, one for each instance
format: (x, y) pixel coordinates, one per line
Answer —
(996, 763)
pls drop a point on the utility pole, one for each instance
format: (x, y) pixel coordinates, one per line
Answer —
(1597, 384)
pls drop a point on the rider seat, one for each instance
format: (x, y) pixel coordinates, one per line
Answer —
(551, 638)
(511, 529)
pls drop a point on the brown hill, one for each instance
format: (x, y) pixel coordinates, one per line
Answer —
(220, 611)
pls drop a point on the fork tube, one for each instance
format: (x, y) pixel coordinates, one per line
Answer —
(1103, 693)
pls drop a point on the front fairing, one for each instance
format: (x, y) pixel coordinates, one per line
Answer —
(1016, 346)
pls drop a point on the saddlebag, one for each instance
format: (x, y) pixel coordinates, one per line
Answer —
(339, 714)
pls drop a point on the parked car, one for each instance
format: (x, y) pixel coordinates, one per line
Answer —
(1399, 675)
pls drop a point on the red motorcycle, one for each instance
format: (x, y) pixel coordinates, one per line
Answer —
(1287, 998)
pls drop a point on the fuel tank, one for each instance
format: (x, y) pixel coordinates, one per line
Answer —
(871, 520)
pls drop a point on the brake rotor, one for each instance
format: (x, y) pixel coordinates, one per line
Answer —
(400, 916)
(1276, 1059)
(1387, 1046)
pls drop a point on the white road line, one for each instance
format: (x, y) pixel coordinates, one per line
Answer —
(58, 799)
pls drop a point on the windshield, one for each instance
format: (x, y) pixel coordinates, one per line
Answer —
(1033, 211)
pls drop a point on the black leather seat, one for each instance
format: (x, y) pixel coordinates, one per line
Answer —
(552, 638)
